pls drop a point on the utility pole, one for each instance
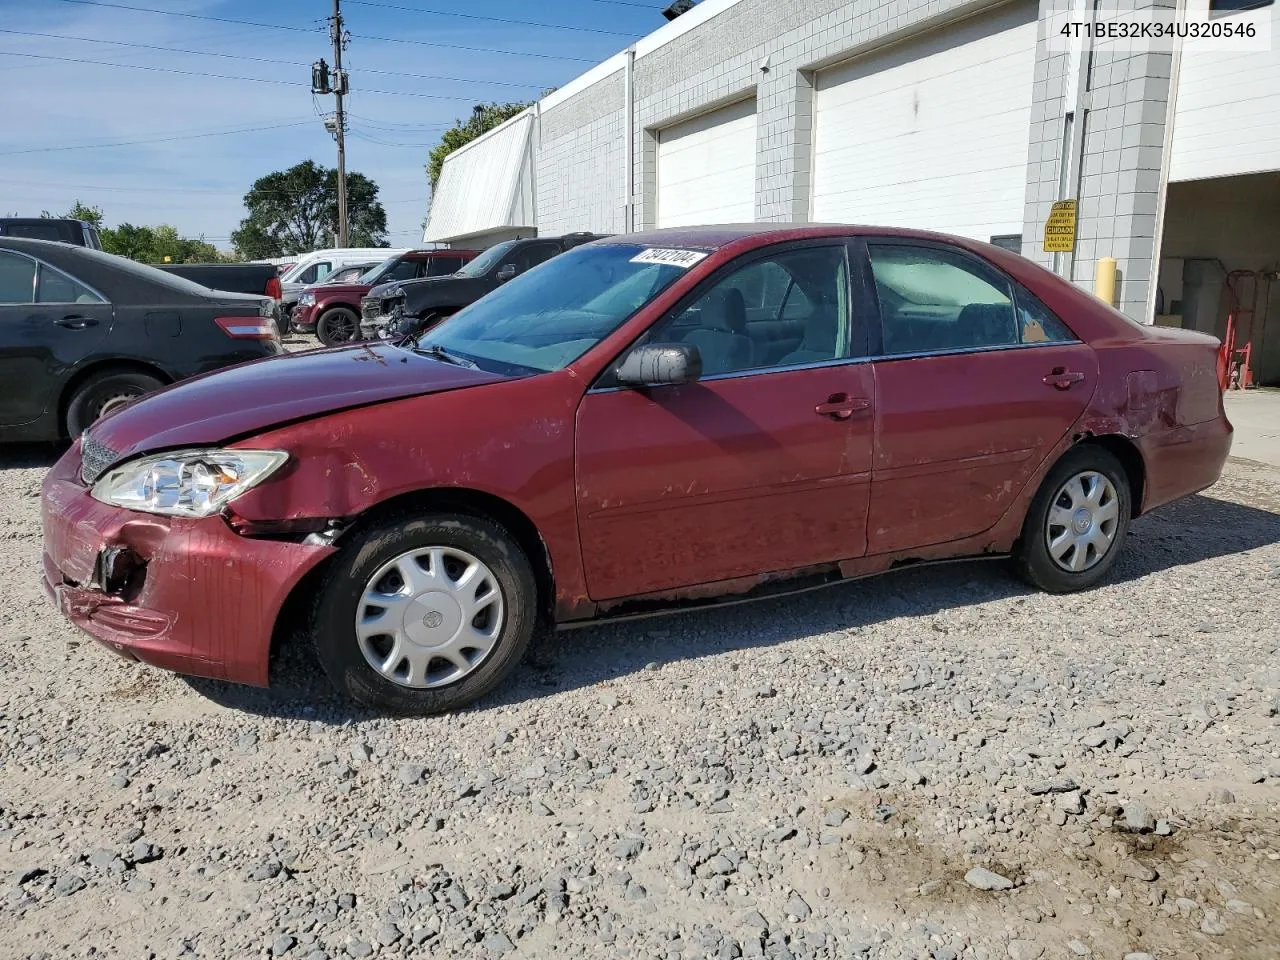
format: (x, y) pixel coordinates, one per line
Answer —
(340, 125)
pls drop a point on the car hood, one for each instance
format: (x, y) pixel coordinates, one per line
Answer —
(386, 289)
(253, 397)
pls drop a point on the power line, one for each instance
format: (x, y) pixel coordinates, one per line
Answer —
(224, 76)
(212, 191)
(283, 63)
(281, 26)
(476, 16)
(134, 143)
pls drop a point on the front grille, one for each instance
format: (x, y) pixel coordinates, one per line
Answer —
(95, 458)
(369, 309)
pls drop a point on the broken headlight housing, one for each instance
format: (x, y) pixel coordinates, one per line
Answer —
(186, 483)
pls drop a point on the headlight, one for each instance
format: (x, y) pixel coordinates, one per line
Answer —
(307, 300)
(186, 483)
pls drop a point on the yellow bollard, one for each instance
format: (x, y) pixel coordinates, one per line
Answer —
(1104, 280)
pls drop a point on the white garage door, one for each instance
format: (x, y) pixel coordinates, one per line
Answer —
(932, 134)
(707, 168)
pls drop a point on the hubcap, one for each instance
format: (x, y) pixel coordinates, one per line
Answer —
(429, 617)
(1083, 520)
(115, 402)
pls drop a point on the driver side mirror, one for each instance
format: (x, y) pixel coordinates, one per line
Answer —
(506, 272)
(657, 364)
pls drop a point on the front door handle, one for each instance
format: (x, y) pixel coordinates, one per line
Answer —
(841, 406)
(1062, 378)
(76, 322)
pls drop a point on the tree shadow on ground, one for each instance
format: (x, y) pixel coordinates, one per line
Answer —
(1191, 531)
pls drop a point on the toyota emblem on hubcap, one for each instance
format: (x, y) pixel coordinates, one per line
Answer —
(433, 619)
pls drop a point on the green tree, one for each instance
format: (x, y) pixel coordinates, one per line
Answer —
(78, 211)
(296, 210)
(155, 244)
(484, 117)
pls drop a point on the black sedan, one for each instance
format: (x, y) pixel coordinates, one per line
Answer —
(82, 333)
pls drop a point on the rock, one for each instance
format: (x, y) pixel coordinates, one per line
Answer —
(864, 765)
(1213, 925)
(985, 879)
(539, 809)
(266, 871)
(836, 817)
(1137, 819)
(67, 884)
(1137, 871)
(1240, 907)
(143, 852)
(361, 753)
(282, 945)
(1072, 803)
(797, 909)
(1164, 828)
(930, 887)
(1079, 948)
(106, 861)
(884, 812)
(1025, 950)
(411, 773)
(498, 943)
(1138, 956)
(387, 934)
(626, 848)
(718, 865)
(653, 666)
(635, 891)
(139, 885)
(502, 738)
(1223, 795)
(1055, 785)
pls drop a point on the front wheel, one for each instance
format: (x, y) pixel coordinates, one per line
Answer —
(425, 615)
(1076, 523)
(338, 325)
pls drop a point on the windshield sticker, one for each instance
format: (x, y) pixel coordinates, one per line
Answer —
(684, 259)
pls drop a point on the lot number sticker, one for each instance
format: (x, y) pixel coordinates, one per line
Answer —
(684, 259)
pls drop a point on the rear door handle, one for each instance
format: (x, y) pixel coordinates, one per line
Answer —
(1062, 378)
(76, 322)
(840, 406)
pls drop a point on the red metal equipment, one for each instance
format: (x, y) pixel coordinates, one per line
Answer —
(1235, 370)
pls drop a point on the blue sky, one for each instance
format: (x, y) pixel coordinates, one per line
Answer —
(58, 114)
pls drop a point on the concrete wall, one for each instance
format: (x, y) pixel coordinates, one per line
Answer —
(581, 172)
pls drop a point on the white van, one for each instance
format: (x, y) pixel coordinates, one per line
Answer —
(314, 267)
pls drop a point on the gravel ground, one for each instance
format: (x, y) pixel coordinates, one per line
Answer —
(936, 764)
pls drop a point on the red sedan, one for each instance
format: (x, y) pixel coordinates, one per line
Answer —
(647, 421)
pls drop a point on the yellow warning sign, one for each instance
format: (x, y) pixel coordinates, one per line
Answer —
(1060, 228)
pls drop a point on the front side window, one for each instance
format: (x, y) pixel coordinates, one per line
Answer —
(53, 286)
(545, 319)
(534, 254)
(322, 270)
(443, 266)
(17, 278)
(490, 258)
(788, 309)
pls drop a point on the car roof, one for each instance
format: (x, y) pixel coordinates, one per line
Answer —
(722, 235)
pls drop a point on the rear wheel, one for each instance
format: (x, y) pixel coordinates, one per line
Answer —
(338, 325)
(103, 394)
(425, 615)
(1076, 523)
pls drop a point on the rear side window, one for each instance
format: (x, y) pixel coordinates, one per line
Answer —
(1036, 324)
(443, 266)
(53, 286)
(17, 278)
(35, 231)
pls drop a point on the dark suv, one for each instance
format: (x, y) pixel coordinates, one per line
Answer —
(76, 232)
(400, 309)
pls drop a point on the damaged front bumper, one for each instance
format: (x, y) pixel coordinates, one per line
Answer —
(191, 596)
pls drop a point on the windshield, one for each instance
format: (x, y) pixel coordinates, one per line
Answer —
(375, 274)
(546, 318)
(481, 264)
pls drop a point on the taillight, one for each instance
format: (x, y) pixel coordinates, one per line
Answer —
(274, 290)
(247, 328)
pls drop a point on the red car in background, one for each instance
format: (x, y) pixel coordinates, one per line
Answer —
(332, 310)
(645, 421)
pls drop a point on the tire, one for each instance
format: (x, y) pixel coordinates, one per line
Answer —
(338, 325)
(1046, 556)
(104, 393)
(424, 619)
